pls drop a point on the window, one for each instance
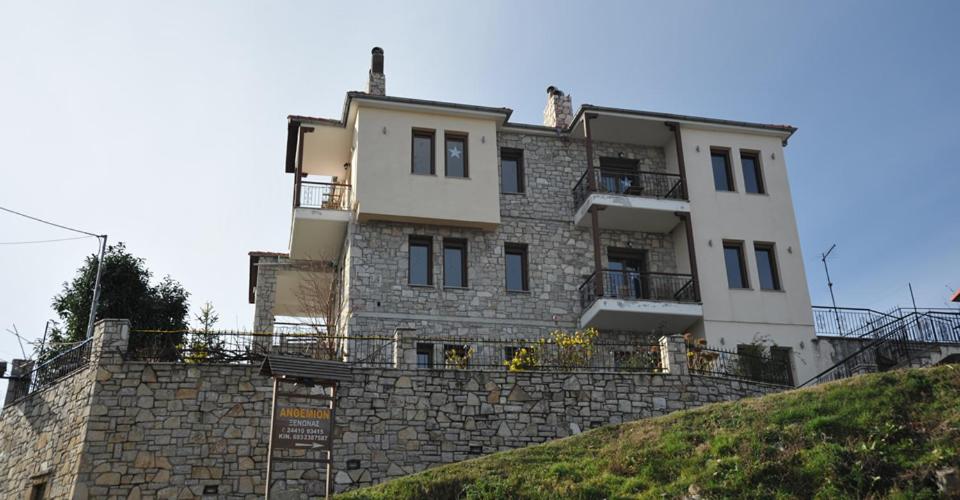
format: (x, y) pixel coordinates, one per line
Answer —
(766, 266)
(455, 146)
(722, 175)
(752, 178)
(424, 355)
(421, 260)
(511, 171)
(423, 152)
(736, 270)
(516, 267)
(454, 263)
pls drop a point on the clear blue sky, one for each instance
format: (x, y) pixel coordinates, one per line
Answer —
(163, 124)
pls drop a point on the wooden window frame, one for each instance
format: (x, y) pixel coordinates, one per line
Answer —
(771, 248)
(523, 250)
(420, 241)
(460, 136)
(744, 276)
(761, 181)
(516, 155)
(715, 150)
(423, 133)
(461, 244)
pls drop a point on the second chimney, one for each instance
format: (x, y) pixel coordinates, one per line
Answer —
(377, 85)
(559, 110)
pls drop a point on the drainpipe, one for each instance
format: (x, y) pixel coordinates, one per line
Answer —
(594, 217)
(687, 219)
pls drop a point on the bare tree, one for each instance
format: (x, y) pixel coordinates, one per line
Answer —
(318, 300)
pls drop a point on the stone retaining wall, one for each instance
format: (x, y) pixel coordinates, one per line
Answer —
(170, 430)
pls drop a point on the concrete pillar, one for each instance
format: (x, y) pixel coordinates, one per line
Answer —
(673, 355)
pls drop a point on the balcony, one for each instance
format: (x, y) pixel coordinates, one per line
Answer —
(321, 213)
(631, 200)
(627, 300)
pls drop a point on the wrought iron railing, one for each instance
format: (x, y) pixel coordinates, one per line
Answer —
(629, 285)
(639, 183)
(326, 195)
(932, 325)
(46, 373)
(705, 360)
(535, 355)
(251, 348)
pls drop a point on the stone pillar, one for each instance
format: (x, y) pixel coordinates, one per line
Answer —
(110, 340)
(265, 293)
(19, 384)
(405, 348)
(673, 355)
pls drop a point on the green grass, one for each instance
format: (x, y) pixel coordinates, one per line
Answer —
(875, 436)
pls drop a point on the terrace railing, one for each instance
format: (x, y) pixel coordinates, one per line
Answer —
(325, 195)
(638, 183)
(250, 348)
(707, 360)
(930, 325)
(414, 352)
(46, 373)
(532, 355)
(629, 285)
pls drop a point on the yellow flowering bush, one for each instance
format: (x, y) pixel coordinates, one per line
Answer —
(458, 357)
(562, 349)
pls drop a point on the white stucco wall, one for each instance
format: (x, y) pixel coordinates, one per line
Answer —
(387, 190)
(734, 317)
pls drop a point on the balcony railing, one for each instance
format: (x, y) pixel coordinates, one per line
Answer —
(630, 285)
(641, 183)
(325, 195)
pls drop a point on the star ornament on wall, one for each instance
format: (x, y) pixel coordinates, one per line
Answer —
(454, 152)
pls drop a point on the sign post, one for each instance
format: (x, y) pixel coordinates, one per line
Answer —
(305, 426)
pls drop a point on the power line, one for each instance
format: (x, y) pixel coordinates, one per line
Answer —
(49, 223)
(44, 241)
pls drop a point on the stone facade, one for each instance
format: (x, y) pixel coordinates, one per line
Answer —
(379, 299)
(126, 429)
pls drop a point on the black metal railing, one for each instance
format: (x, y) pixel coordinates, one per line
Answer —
(535, 355)
(895, 343)
(932, 325)
(638, 183)
(325, 195)
(45, 374)
(629, 285)
(706, 360)
(251, 348)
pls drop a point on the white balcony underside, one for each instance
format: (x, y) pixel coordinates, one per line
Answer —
(632, 213)
(641, 315)
(317, 234)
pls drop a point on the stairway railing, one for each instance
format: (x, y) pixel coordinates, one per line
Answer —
(893, 341)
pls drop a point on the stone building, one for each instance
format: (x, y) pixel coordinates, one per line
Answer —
(452, 220)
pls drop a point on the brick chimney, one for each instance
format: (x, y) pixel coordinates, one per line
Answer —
(377, 85)
(559, 110)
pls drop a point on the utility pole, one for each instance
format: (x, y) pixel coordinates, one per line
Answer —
(96, 285)
(836, 312)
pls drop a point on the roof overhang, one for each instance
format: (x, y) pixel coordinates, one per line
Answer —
(663, 119)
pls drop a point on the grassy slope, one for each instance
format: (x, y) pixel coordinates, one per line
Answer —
(879, 435)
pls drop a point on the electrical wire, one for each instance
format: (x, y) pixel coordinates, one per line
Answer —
(49, 223)
(44, 241)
